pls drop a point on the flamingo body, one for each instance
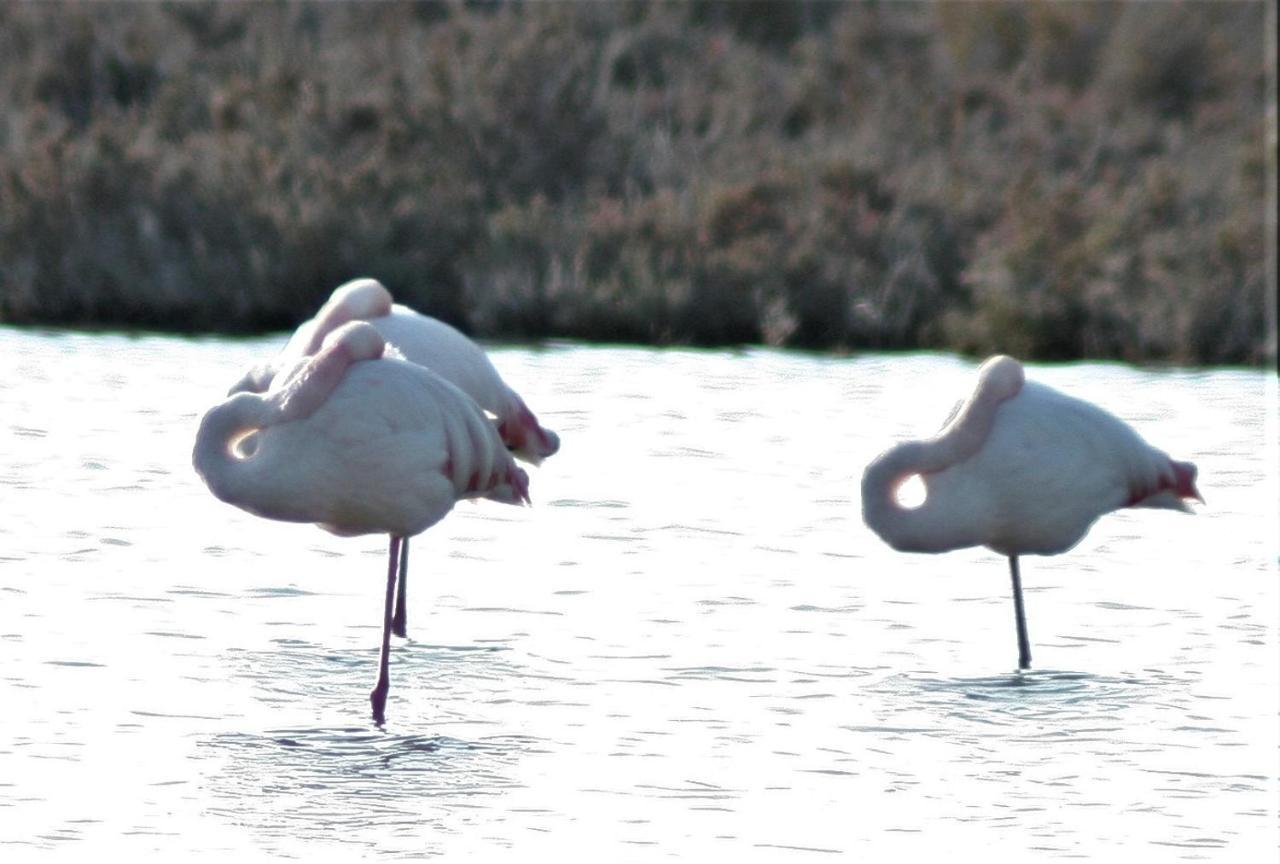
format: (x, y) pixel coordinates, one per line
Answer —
(1020, 468)
(387, 446)
(422, 340)
(1052, 466)
(356, 442)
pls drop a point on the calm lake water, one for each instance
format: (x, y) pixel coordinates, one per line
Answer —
(689, 646)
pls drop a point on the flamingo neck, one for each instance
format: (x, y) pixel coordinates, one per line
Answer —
(234, 452)
(231, 476)
(938, 525)
(934, 526)
(357, 300)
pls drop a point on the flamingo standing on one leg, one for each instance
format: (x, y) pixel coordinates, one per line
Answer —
(427, 342)
(1021, 469)
(357, 443)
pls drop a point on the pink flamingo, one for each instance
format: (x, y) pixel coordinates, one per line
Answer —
(356, 442)
(427, 342)
(1021, 469)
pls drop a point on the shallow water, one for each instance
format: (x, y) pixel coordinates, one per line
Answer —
(689, 646)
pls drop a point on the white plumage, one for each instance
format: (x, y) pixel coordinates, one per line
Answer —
(422, 340)
(1021, 469)
(357, 443)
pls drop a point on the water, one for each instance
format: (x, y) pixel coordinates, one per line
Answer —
(689, 646)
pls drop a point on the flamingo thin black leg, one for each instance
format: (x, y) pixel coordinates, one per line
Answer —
(378, 698)
(1020, 612)
(398, 620)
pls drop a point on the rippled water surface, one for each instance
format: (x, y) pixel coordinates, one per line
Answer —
(689, 646)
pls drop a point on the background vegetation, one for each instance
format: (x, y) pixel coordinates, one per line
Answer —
(1055, 180)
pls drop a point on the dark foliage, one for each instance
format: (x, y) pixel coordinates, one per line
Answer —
(1055, 180)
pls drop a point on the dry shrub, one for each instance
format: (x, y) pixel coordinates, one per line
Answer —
(1057, 180)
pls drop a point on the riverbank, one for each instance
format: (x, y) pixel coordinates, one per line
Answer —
(1057, 181)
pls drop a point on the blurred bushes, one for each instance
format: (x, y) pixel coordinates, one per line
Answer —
(1056, 180)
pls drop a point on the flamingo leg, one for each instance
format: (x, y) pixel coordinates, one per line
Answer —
(397, 620)
(1020, 612)
(378, 698)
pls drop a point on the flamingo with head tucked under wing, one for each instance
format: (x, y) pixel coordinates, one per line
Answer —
(1021, 469)
(358, 443)
(427, 342)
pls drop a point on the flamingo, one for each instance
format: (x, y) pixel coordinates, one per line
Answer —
(1022, 469)
(357, 442)
(427, 342)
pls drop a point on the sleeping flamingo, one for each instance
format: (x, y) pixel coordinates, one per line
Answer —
(358, 443)
(427, 342)
(1021, 469)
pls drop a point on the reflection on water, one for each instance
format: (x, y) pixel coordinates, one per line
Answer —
(688, 647)
(312, 785)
